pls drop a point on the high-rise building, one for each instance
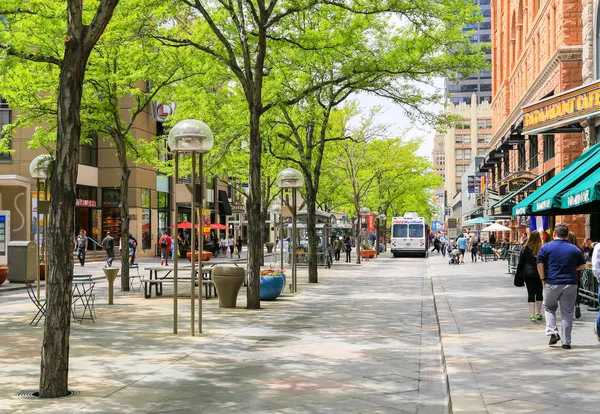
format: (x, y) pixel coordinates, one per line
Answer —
(467, 139)
(480, 83)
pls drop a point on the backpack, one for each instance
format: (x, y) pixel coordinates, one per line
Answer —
(163, 242)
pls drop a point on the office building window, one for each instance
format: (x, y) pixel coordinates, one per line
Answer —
(488, 123)
(459, 139)
(486, 13)
(468, 154)
(459, 170)
(548, 147)
(459, 154)
(485, 26)
(468, 88)
(481, 123)
(5, 119)
(467, 139)
(486, 87)
(533, 151)
(481, 139)
(485, 98)
(485, 38)
(488, 138)
(485, 75)
(481, 152)
(88, 151)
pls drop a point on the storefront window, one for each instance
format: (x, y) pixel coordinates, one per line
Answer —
(162, 203)
(146, 233)
(111, 213)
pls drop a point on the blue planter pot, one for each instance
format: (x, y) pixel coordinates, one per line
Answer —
(271, 287)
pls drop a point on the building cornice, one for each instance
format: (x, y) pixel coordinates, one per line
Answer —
(563, 54)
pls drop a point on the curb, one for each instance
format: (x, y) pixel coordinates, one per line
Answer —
(443, 355)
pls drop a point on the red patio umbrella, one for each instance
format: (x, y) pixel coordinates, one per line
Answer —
(217, 226)
(184, 225)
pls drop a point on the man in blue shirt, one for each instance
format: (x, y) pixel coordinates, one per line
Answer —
(558, 263)
(462, 246)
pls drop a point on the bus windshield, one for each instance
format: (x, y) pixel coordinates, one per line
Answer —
(415, 230)
(400, 230)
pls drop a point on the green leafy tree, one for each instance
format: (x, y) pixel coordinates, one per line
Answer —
(261, 44)
(60, 33)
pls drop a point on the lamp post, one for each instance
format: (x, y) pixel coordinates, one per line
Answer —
(382, 219)
(194, 137)
(276, 209)
(293, 179)
(362, 212)
(376, 246)
(39, 170)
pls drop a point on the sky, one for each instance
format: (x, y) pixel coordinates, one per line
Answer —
(393, 116)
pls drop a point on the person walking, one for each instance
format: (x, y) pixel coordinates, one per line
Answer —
(108, 243)
(527, 270)
(558, 262)
(338, 245)
(224, 246)
(596, 271)
(443, 243)
(572, 238)
(165, 248)
(132, 244)
(473, 246)
(231, 245)
(238, 244)
(462, 246)
(348, 248)
(81, 244)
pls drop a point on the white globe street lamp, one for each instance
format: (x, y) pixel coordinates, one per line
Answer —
(190, 137)
(291, 178)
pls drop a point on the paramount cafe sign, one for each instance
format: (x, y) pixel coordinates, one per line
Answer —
(562, 109)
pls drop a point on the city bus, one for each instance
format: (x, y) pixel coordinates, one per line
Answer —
(409, 236)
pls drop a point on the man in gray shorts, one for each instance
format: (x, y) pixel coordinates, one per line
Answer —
(557, 263)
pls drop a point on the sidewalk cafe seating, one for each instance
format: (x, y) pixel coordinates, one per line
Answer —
(39, 303)
(83, 293)
(135, 275)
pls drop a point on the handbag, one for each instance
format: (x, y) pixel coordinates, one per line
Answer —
(235, 250)
(519, 282)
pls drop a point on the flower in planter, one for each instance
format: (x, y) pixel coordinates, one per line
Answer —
(272, 272)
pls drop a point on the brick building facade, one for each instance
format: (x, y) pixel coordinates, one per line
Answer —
(540, 49)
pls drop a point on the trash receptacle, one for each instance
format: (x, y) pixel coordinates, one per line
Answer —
(228, 281)
(22, 261)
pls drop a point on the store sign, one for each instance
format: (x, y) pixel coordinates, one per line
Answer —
(579, 198)
(161, 111)
(543, 205)
(521, 211)
(568, 107)
(471, 184)
(85, 203)
(371, 222)
(515, 184)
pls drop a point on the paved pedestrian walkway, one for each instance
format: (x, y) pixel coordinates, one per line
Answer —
(365, 339)
(497, 360)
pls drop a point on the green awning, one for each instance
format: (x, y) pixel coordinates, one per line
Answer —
(478, 220)
(584, 193)
(551, 198)
(573, 172)
(496, 209)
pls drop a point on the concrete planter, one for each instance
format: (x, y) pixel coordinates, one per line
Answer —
(205, 256)
(228, 281)
(269, 247)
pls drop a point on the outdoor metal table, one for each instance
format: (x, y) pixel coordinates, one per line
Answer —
(83, 291)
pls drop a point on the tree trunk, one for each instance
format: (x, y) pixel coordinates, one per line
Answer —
(311, 229)
(124, 207)
(54, 374)
(79, 41)
(253, 207)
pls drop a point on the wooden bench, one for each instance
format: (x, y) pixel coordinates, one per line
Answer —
(208, 286)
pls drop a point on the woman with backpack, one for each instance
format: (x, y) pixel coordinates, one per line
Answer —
(527, 270)
(165, 248)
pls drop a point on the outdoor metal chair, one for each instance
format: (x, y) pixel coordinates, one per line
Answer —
(86, 297)
(39, 303)
(136, 275)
